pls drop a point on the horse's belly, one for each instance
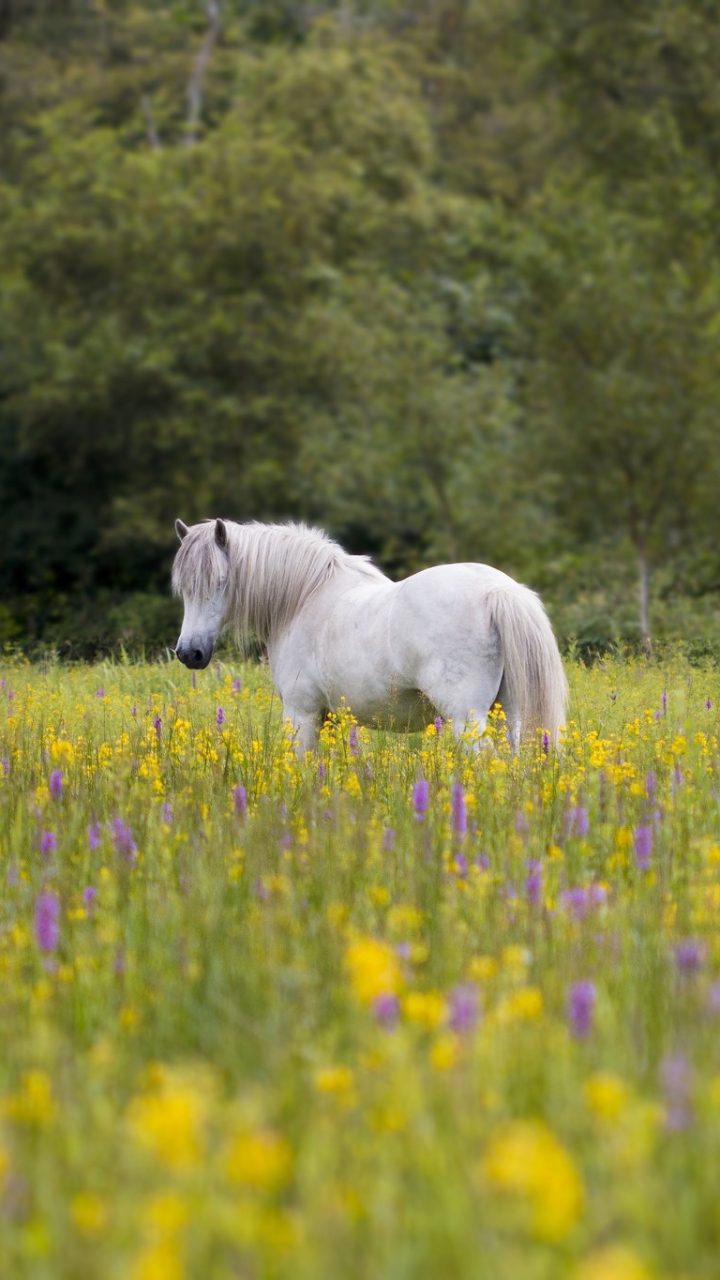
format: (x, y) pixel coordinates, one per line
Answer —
(401, 709)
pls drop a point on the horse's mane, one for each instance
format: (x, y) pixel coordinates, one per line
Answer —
(271, 570)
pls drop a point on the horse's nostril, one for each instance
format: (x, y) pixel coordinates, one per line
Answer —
(197, 655)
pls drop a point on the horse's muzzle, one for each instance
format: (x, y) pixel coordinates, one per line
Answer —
(194, 655)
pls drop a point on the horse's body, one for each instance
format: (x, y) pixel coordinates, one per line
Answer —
(451, 640)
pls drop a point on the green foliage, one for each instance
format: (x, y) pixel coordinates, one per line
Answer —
(442, 279)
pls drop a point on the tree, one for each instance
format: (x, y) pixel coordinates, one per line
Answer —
(615, 386)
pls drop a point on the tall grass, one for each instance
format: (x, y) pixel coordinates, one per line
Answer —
(270, 1017)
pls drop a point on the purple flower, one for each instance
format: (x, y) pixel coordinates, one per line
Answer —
(89, 897)
(353, 740)
(577, 822)
(598, 895)
(643, 847)
(522, 823)
(125, 846)
(56, 784)
(678, 775)
(421, 798)
(93, 836)
(664, 702)
(458, 810)
(157, 726)
(386, 1008)
(133, 713)
(167, 813)
(546, 743)
(47, 921)
(576, 901)
(13, 875)
(237, 685)
(689, 955)
(534, 882)
(482, 862)
(461, 866)
(100, 693)
(220, 715)
(650, 785)
(464, 1011)
(676, 1076)
(437, 722)
(388, 840)
(5, 766)
(240, 797)
(321, 771)
(48, 842)
(581, 1000)
(261, 890)
(708, 704)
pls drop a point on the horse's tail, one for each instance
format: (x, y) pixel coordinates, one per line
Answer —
(534, 681)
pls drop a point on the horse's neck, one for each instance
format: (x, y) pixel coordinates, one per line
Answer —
(276, 578)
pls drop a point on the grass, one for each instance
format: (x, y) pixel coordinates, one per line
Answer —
(261, 1019)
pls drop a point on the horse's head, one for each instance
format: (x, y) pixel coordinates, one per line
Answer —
(200, 576)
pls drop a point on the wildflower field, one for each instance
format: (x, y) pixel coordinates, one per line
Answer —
(396, 1010)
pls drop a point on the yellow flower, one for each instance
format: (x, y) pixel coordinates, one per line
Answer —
(403, 919)
(525, 1157)
(445, 1051)
(338, 1081)
(169, 1124)
(612, 1263)
(374, 969)
(424, 1007)
(262, 1159)
(516, 961)
(161, 1261)
(606, 1095)
(33, 1104)
(482, 968)
(520, 1006)
(167, 1213)
(89, 1213)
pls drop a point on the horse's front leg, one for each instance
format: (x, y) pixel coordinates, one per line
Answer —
(305, 727)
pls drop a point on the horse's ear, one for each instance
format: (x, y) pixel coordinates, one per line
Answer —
(221, 534)
(181, 529)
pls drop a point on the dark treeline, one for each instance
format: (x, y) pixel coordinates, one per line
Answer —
(442, 277)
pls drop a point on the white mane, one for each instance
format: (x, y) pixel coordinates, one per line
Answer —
(271, 570)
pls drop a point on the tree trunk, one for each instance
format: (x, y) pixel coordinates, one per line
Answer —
(194, 93)
(644, 600)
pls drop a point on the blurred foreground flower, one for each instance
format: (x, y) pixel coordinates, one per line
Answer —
(421, 798)
(373, 968)
(526, 1158)
(47, 921)
(582, 997)
(612, 1263)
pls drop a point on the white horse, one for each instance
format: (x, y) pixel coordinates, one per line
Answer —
(448, 641)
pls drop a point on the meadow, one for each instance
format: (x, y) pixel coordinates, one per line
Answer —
(396, 1010)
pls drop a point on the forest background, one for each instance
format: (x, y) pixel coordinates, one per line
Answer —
(441, 277)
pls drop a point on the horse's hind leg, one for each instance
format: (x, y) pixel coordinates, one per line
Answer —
(466, 701)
